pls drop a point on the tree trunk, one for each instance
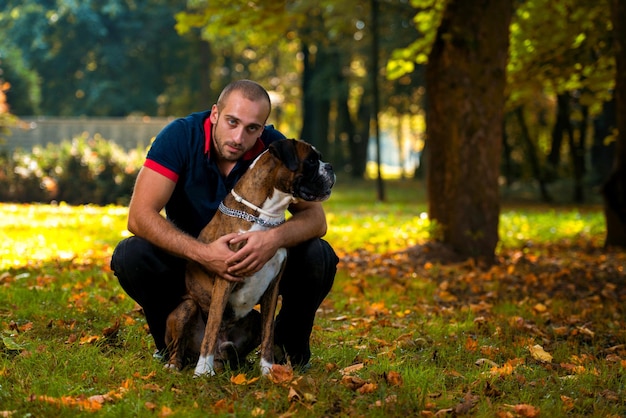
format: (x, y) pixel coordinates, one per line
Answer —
(465, 78)
(614, 190)
(577, 151)
(602, 152)
(360, 140)
(531, 153)
(561, 125)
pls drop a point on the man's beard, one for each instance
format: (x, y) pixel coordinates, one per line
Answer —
(220, 147)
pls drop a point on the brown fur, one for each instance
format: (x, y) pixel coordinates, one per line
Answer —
(207, 295)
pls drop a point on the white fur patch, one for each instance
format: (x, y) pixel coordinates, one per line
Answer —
(205, 366)
(244, 299)
(266, 367)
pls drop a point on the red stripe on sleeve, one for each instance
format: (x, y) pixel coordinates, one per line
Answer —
(153, 165)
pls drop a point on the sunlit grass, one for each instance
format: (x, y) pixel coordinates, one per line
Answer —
(30, 234)
(35, 233)
(432, 327)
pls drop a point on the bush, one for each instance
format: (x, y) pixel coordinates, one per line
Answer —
(85, 170)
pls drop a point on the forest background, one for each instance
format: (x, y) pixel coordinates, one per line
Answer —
(339, 73)
(500, 100)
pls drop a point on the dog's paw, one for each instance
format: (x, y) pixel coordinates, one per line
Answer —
(266, 367)
(205, 366)
(208, 373)
(172, 366)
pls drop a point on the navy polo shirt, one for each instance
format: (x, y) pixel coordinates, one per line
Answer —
(181, 152)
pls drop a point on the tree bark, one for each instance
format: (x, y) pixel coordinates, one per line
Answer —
(465, 79)
(614, 189)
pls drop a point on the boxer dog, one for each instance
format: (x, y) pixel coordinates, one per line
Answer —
(288, 171)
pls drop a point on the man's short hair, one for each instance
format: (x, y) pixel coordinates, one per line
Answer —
(251, 90)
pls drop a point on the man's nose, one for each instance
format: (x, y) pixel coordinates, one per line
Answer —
(238, 135)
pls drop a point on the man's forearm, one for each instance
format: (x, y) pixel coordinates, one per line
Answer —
(302, 226)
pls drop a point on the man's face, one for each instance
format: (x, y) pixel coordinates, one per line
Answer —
(237, 126)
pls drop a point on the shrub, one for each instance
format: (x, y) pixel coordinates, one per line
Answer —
(85, 170)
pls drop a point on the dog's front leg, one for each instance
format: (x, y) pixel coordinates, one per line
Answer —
(219, 300)
(268, 312)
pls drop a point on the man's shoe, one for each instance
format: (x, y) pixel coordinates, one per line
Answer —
(160, 355)
(298, 359)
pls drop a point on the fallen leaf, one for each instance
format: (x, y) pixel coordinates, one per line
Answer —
(483, 361)
(330, 367)
(293, 395)
(393, 378)
(281, 373)
(302, 389)
(11, 345)
(79, 402)
(471, 344)
(153, 387)
(466, 405)
(525, 410)
(223, 406)
(568, 403)
(111, 331)
(352, 382)
(538, 353)
(241, 379)
(257, 412)
(89, 339)
(367, 388)
(166, 411)
(351, 369)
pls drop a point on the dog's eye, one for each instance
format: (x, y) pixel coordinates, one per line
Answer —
(311, 162)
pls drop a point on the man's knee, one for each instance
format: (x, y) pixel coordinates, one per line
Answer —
(311, 264)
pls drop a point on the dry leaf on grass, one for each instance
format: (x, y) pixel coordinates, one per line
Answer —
(351, 369)
(538, 353)
(281, 373)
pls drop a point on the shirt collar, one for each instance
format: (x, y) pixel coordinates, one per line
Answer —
(254, 152)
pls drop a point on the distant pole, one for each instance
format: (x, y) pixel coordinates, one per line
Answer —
(375, 98)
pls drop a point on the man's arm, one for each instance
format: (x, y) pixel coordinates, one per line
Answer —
(308, 222)
(151, 193)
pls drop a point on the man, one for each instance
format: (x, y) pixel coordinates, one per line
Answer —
(191, 166)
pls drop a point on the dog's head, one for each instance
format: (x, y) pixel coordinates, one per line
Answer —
(313, 178)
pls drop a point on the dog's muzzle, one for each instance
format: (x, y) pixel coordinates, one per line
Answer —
(315, 187)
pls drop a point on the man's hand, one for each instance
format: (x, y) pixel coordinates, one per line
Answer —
(216, 256)
(258, 249)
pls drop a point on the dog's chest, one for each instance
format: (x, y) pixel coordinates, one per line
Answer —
(243, 299)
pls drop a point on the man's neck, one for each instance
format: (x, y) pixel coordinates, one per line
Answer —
(225, 166)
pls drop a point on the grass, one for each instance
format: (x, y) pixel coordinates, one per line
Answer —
(398, 335)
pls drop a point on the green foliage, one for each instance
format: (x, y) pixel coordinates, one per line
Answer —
(98, 58)
(84, 170)
(561, 46)
(426, 20)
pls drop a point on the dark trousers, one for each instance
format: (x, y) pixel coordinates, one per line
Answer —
(156, 281)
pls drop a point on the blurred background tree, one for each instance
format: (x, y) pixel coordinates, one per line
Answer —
(164, 58)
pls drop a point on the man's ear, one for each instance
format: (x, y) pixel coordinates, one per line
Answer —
(285, 150)
(214, 114)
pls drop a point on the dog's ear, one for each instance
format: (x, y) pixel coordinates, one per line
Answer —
(285, 150)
